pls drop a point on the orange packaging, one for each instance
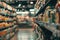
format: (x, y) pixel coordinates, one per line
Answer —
(4, 4)
(1, 25)
(2, 33)
(6, 25)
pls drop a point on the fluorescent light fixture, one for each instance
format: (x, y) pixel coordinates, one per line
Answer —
(19, 5)
(26, 12)
(31, 2)
(32, 10)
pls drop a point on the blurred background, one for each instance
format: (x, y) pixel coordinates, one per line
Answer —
(29, 19)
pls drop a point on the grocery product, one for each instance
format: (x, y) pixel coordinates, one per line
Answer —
(52, 17)
(58, 10)
(2, 33)
(6, 21)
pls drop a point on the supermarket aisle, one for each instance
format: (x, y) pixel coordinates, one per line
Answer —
(26, 34)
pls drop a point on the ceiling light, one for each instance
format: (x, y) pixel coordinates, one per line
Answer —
(23, 6)
(31, 2)
(19, 5)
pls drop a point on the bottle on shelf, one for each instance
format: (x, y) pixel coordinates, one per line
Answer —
(46, 16)
(58, 12)
(52, 17)
(57, 15)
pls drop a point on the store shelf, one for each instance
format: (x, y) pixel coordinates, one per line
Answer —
(13, 31)
(7, 15)
(48, 26)
(6, 6)
(1, 29)
(12, 35)
(9, 36)
(6, 21)
(48, 29)
(1, 21)
(43, 8)
(51, 27)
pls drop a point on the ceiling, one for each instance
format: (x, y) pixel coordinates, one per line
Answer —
(25, 4)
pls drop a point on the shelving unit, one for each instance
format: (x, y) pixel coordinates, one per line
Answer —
(48, 19)
(51, 28)
(39, 8)
(8, 27)
(39, 33)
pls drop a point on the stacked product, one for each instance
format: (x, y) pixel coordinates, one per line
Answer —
(58, 11)
(39, 4)
(49, 15)
(7, 22)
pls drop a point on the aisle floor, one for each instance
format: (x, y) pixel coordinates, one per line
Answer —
(26, 34)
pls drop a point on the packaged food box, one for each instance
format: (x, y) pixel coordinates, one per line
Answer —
(2, 33)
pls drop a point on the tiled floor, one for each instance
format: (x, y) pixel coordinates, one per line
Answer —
(26, 34)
